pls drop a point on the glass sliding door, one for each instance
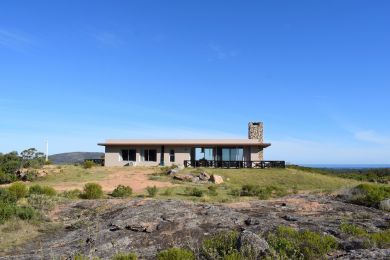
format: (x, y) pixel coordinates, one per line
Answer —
(232, 154)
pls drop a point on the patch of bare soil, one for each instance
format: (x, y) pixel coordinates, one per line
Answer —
(137, 179)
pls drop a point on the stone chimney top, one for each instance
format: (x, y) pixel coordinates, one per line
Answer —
(255, 131)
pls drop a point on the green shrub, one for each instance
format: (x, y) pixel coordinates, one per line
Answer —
(25, 212)
(235, 192)
(381, 239)
(292, 244)
(72, 194)
(236, 256)
(125, 256)
(31, 175)
(43, 190)
(18, 189)
(7, 197)
(212, 190)
(168, 192)
(88, 164)
(92, 191)
(370, 194)
(152, 191)
(7, 210)
(6, 178)
(122, 191)
(352, 230)
(176, 254)
(41, 202)
(256, 191)
(220, 245)
(194, 192)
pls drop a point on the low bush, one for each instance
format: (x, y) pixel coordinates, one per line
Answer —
(168, 192)
(220, 245)
(7, 197)
(88, 164)
(7, 178)
(292, 244)
(176, 254)
(43, 190)
(25, 212)
(381, 239)
(369, 194)
(122, 191)
(196, 192)
(72, 194)
(7, 210)
(212, 190)
(18, 189)
(152, 191)
(352, 230)
(31, 175)
(256, 191)
(125, 256)
(41, 202)
(92, 191)
(377, 239)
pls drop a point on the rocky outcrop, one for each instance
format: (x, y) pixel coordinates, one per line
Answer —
(216, 179)
(101, 228)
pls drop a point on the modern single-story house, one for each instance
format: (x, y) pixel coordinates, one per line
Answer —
(191, 152)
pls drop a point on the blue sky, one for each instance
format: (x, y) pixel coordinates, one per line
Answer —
(317, 73)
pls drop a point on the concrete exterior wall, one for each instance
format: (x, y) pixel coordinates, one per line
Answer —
(113, 156)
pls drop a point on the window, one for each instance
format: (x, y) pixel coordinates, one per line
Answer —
(129, 155)
(232, 154)
(204, 154)
(172, 155)
(149, 155)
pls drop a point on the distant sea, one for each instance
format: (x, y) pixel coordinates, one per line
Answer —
(347, 166)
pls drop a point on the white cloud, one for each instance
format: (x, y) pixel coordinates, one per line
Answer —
(372, 137)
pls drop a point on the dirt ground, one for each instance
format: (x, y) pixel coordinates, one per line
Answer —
(136, 178)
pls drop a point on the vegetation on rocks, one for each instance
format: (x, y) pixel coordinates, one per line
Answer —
(292, 244)
(125, 256)
(176, 254)
(375, 239)
(369, 194)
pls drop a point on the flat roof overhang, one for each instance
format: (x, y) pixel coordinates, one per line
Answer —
(186, 142)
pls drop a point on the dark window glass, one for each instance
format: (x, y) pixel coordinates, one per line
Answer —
(125, 155)
(132, 155)
(149, 155)
(153, 155)
(172, 156)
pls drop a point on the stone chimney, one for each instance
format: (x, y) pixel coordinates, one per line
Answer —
(255, 131)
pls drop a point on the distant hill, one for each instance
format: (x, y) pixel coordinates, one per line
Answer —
(75, 157)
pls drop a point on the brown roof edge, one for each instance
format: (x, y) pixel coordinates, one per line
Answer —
(184, 143)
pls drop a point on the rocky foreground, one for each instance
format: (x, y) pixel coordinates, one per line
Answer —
(102, 228)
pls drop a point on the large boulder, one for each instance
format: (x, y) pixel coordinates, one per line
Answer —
(173, 171)
(204, 176)
(385, 205)
(249, 242)
(216, 179)
(184, 177)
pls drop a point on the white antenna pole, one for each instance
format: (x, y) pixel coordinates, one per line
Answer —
(47, 150)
